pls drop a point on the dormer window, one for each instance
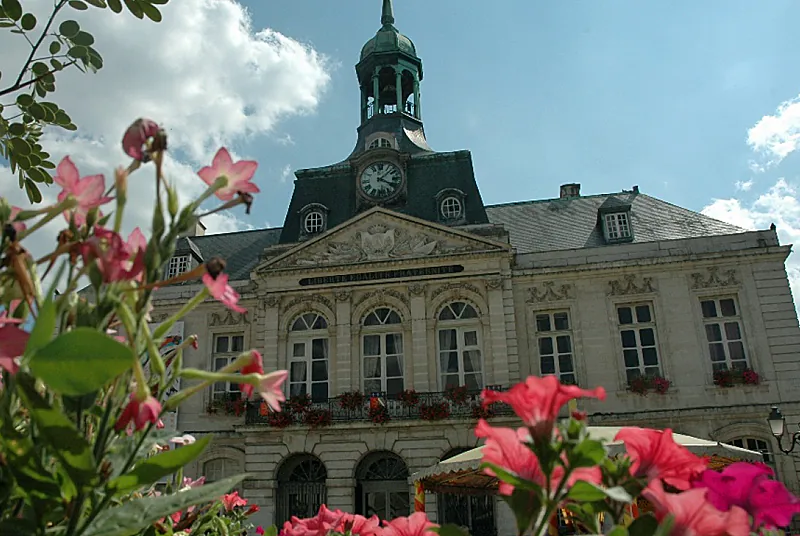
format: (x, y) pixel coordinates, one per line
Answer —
(313, 220)
(617, 226)
(381, 143)
(177, 265)
(451, 206)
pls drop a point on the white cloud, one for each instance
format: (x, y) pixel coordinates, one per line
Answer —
(778, 135)
(286, 172)
(744, 186)
(779, 205)
(204, 73)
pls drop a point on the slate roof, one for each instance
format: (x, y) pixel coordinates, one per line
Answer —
(241, 249)
(555, 224)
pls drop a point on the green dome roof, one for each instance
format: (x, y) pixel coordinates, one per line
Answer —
(388, 39)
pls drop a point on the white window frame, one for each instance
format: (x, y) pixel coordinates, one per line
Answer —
(461, 326)
(554, 334)
(227, 467)
(381, 142)
(636, 327)
(223, 358)
(752, 443)
(306, 337)
(617, 225)
(314, 222)
(720, 321)
(451, 208)
(178, 265)
(383, 331)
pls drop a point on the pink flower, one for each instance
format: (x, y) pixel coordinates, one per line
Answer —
(189, 483)
(238, 175)
(537, 401)
(260, 530)
(417, 524)
(139, 413)
(12, 345)
(750, 487)
(270, 388)
(256, 366)
(223, 292)
(232, 500)
(18, 226)
(655, 455)
(135, 138)
(694, 515)
(362, 526)
(319, 525)
(115, 259)
(87, 191)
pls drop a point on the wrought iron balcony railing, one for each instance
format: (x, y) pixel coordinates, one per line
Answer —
(377, 408)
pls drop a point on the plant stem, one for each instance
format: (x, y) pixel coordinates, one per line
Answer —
(56, 9)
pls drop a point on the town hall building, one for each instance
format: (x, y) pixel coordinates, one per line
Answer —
(392, 293)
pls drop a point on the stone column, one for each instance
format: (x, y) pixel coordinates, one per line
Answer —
(398, 75)
(497, 327)
(375, 89)
(344, 356)
(364, 110)
(417, 109)
(270, 333)
(419, 341)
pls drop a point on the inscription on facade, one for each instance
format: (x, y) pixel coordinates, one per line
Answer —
(630, 284)
(712, 278)
(549, 292)
(377, 276)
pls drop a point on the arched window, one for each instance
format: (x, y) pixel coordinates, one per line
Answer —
(382, 351)
(459, 344)
(308, 357)
(382, 486)
(220, 468)
(473, 511)
(381, 143)
(301, 487)
(759, 445)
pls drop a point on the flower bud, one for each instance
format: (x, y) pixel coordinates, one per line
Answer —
(215, 266)
(121, 181)
(135, 140)
(247, 199)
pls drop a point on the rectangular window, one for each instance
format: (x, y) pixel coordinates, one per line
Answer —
(617, 226)
(383, 363)
(554, 340)
(226, 348)
(758, 445)
(308, 368)
(177, 265)
(637, 331)
(460, 358)
(723, 326)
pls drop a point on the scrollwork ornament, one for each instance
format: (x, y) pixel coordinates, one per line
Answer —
(548, 292)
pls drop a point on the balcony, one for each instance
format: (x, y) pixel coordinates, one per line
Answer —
(378, 408)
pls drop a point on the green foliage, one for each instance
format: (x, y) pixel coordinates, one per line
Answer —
(57, 43)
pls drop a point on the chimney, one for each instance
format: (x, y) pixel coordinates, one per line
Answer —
(636, 189)
(570, 190)
(199, 230)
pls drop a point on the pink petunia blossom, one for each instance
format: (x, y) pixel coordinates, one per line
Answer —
(417, 524)
(260, 530)
(138, 413)
(223, 292)
(655, 455)
(87, 191)
(694, 515)
(537, 401)
(362, 526)
(136, 136)
(320, 525)
(232, 500)
(256, 366)
(116, 259)
(238, 175)
(750, 487)
(270, 388)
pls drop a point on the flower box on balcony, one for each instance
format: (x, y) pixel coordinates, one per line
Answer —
(643, 384)
(729, 378)
(229, 404)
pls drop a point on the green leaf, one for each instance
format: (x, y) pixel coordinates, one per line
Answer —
(135, 8)
(28, 22)
(39, 175)
(77, 4)
(44, 327)
(69, 28)
(81, 361)
(644, 525)
(618, 531)
(451, 530)
(24, 100)
(16, 129)
(37, 112)
(159, 466)
(525, 506)
(55, 47)
(34, 195)
(68, 445)
(618, 493)
(62, 118)
(585, 492)
(115, 6)
(133, 516)
(78, 52)
(84, 39)
(271, 531)
(517, 482)
(151, 11)
(588, 453)
(20, 146)
(17, 527)
(12, 8)
(125, 445)
(96, 3)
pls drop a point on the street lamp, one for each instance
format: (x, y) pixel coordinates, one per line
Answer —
(777, 424)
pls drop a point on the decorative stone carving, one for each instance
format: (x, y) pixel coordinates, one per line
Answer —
(229, 318)
(494, 283)
(416, 289)
(343, 295)
(380, 242)
(451, 286)
(548, 292)
(628, 285)
(272, 300)
(380, 293)
(318, 298)
(712, 278)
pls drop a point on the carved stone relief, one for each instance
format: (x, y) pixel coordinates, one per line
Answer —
(343, 295)
(416, 289)
(272, 300)
(451, 286)
(229, 318)
(318, 298)
(630, 284)
(158, 317)
(548, 291)
(712, 278)
(380, 293)
(494, 283)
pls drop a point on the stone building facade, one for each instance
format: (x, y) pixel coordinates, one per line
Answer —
(390, 274)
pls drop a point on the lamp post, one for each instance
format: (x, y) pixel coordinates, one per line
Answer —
(777, 424)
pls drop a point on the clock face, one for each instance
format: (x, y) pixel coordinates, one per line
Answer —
(381, 180)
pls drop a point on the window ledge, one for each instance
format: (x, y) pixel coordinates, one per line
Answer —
(762, 387)
(670, 394)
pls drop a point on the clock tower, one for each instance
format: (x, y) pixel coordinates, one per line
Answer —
(391, 165)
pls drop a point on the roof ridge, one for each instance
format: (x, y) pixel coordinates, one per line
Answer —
(699, 213)
(532, 201)
(261, 229)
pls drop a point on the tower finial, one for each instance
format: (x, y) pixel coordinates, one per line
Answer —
(387, 16)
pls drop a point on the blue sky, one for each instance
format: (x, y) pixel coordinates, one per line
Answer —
(608, 94)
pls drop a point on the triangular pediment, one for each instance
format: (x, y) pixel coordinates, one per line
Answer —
(380, 235)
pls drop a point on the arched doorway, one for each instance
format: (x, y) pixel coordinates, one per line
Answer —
(301, 487)
(382, 486)
(473, 511)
